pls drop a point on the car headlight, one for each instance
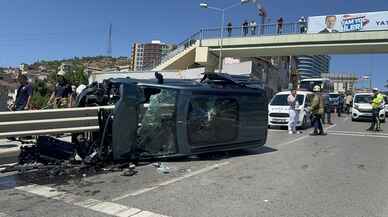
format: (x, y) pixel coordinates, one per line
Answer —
(356, 106)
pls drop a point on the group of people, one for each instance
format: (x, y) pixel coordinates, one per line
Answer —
(250, 28)
(246, 28)
(63, 95)
(317, 112)
(321, 110)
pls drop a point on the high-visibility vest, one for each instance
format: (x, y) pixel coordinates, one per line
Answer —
(377, 101)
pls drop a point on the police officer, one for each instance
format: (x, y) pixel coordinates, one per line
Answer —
(377, 104)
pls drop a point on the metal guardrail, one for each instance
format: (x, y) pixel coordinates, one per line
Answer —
(258, 30)
(50, 121)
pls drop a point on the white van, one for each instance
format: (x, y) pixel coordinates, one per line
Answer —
(362, 107)
(278, 109)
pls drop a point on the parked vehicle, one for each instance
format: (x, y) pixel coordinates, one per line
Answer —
(278, 109)
(362, 108)
(324, 83)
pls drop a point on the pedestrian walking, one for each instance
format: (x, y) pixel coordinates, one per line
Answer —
(349, 100)
(340, 105)
(293, 112)
(245, 27)
(377, 105)
(280, 25)
(229, 29)
(317, 110)
(302, 22)
(23, 94)
(61, 96)
(328, 107)
(253, 26)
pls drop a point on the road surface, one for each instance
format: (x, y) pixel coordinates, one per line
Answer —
(342, 174)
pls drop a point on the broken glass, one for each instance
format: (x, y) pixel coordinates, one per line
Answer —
(157, 131)
(212, 120)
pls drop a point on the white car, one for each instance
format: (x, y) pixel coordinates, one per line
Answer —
(278, 109)
(362, 108)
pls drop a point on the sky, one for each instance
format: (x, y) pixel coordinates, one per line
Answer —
(32, 30)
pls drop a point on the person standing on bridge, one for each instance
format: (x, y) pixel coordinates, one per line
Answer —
(245, 27)
(280, 25)
(302, 24)
(317, 110)
(229, 29)
(253, 26)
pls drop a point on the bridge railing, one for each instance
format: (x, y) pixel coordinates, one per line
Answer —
(187, 43)
(253, 31)
(240, 31)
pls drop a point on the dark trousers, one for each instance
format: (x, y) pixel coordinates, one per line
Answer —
(317, 123)
(339, 110)
(375, 124)
(327, 115)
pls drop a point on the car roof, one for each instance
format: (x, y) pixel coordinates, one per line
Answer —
(299, 92)
(357, 94)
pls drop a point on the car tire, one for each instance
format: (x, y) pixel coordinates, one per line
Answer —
(269, 126)
(382, 121)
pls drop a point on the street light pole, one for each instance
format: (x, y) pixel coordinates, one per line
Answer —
(222, 10)
(220, 59)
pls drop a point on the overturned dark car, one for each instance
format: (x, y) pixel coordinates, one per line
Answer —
(161, 119)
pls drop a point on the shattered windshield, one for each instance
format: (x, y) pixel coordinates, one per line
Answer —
(156, 134)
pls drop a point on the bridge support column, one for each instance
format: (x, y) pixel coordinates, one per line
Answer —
(206, 58)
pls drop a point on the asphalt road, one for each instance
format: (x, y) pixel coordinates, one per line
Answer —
(342, 174)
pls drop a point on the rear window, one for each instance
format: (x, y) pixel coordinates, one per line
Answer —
(362, 99)
(333, 95)
(281, 100)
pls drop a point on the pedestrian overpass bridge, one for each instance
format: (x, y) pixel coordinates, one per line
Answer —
(200, 50)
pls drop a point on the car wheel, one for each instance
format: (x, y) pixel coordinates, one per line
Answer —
(269, 126)
(383, 120)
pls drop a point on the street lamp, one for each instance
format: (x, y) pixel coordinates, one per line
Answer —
(222, 10)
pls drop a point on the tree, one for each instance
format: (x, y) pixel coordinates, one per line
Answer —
(40, 94)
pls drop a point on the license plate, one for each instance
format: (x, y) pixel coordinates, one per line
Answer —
(279, 120)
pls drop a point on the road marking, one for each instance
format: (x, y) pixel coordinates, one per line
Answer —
(171, 181)
(302, 137)
(108, 208)
(359, 135)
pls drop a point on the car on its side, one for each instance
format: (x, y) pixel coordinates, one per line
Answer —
(278, 109)
(362, 107)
